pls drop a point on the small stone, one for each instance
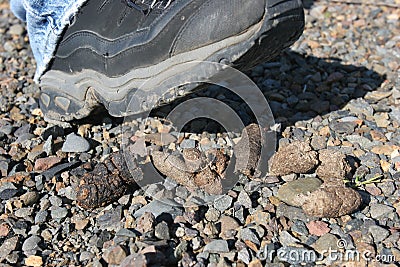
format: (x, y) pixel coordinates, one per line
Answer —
(31, 244)
(259, 218)
(111, 219)
(378, 211)
(114, 255)
(244, 200)
(8, 193)
(23, 212)
(34, 261)
(59, 213)
(217, 246)
(16, 29)
(318, 228)
(8, 246)
(296, 157)
(223, 203)
(44, 164)
(287, 239)
(300, 227)
(188, 143)
(294, 192)
(136, 259)
(360, 106)
(290, 212)
(41, 216)
(157, 208)
(197, 243)
(229, 226)
(378, 233)
(244, 256)
(145, 222)
(247, 234)
(212, 215)
(326, 242)
(29, 198)
(81, 224)
(4, 229)
(48, 146)
(161, 231)
(75, 143)
(248, 150)
(86, 256)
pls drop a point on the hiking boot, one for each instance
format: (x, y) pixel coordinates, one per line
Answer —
(112, 47)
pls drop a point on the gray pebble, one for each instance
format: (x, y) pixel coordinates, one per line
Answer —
(300, 228)
(31, 244)
(287, 239)
(379, 210)
(111, 219)
(55, 201)
(157, 208)
(23, 212)
(59, 213)
(217, 246)
(48, 146)
(75, 143)
(8, 193)
(378, 233)
(247, 234)
(244, 200)
(244, 256)
(41, 216)
(16, 29)
(188, 143)
(223, 203)
(8, 246)
(162, 231)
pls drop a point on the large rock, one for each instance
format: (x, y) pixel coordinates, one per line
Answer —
(294, 192)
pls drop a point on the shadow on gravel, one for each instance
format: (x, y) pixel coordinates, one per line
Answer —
(297, 87)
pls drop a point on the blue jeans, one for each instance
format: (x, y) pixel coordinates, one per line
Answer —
(46, 21)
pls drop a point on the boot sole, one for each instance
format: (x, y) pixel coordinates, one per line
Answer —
(65, 97)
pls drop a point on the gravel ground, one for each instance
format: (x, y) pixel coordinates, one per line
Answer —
(335, 96)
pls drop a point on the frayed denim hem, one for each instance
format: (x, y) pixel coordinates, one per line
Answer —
(46, 21)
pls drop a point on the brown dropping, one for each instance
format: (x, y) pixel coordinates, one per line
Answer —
(182, 172)
(297, 157)
(332, 202)
(334, 167)
(107, 182)
(173, 167)
(248, 150)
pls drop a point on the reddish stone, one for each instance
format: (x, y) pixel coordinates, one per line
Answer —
(318, 228)
(44, 164)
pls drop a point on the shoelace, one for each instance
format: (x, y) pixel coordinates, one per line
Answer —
(146, 6)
